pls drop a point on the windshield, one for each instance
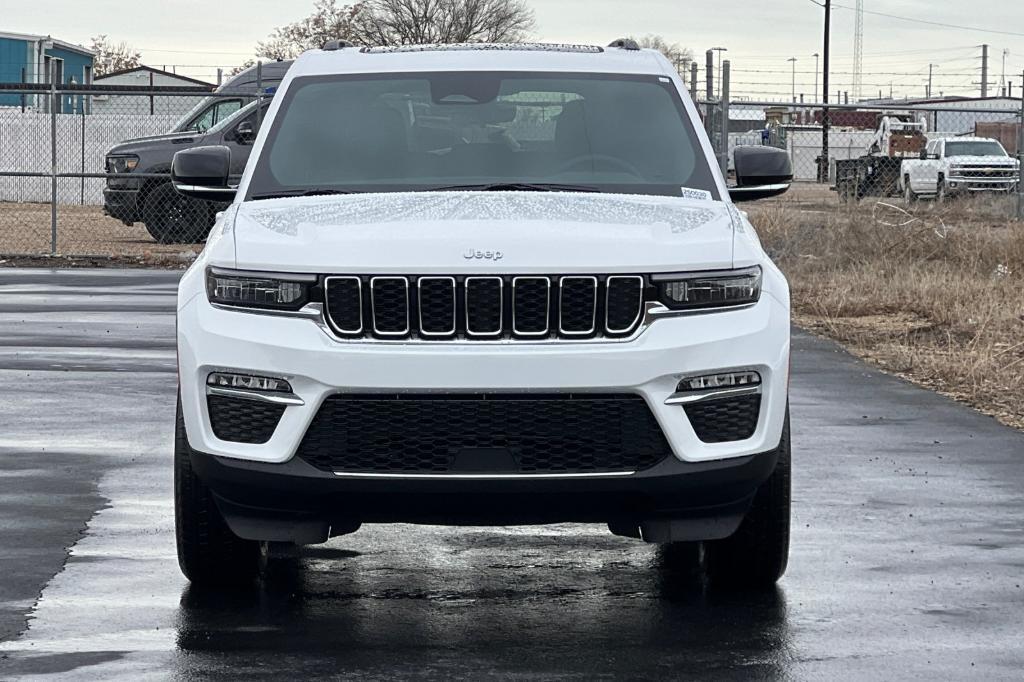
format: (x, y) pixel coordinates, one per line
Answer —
(475, 130)
(974, 149)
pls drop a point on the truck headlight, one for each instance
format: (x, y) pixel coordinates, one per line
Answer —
(273, 291)
(122, 163)
(710, 289)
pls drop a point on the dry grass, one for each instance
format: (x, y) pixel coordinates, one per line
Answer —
(82, 231)
(931, 292)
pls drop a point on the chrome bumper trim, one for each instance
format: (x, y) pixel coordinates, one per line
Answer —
(484, 477)
(692, 397)
(272, 398)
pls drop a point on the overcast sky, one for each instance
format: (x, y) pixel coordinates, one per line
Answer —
(197, 36)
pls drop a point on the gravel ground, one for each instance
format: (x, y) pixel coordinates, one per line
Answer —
(84, 236)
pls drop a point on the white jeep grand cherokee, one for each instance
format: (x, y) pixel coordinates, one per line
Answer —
(483, 284)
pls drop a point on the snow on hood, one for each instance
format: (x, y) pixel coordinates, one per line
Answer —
(427, 232)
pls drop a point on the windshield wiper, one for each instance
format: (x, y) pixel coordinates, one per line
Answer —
(311, 192)
(515, 187)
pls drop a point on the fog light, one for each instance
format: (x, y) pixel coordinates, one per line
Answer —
(248, 383)
(724, 380)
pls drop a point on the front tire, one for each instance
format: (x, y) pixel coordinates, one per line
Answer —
(756, 555)
(908, 193)
(208, 552)
(173, 218)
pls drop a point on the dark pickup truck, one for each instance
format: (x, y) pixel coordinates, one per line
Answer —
(227, 118)
(170, 217)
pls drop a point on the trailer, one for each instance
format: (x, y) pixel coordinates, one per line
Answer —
(877, 173)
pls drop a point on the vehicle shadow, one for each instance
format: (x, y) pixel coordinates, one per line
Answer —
(629, 618)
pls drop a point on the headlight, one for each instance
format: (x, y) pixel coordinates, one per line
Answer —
(258, 289)
(122, 164)
(710, 289)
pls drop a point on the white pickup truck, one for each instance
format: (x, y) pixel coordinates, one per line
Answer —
(957, 165)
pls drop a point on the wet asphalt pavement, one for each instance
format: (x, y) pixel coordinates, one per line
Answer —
(907, 558)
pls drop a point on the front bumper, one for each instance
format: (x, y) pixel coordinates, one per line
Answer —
(317, 366)
(294, 502)
(121, 204)
(976, 184)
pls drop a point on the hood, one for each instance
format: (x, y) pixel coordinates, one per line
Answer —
(983, 160)
(164, 141)
(480, 232)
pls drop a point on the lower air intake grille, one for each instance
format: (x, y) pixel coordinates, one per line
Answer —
(490, 434)
(725, 420)
(238, 420)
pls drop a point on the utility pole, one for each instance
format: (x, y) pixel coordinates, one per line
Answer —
(931, 72)
(823, 165)
(816, 56)
(1002, 81)
(984, 70)
(792, 60)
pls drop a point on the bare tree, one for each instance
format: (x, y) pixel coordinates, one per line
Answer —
(412, 22)
(112, 57)
(399, 22)
(329, 21)
(676, 53)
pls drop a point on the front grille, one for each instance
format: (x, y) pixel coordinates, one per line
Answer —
(485, 307)
(725, 420)
(983, 173)
(484, 433)
(239, 420)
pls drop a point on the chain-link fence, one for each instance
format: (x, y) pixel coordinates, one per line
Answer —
(936, 151)
(84, 170)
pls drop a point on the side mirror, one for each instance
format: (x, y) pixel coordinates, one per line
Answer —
(245, 133)
(761, 172)
(202, 173)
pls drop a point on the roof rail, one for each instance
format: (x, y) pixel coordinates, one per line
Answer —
(332, 45)
(625, 44)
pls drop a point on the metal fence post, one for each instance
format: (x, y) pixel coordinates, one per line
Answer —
(723, 150)
(1020, 157)
(53, 158)
(693, 81)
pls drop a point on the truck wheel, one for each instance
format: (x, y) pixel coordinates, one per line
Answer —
(208, 552)
(173, 218)
(908, 193)
(756, 555)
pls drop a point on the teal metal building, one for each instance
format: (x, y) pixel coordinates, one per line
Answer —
(26, 58)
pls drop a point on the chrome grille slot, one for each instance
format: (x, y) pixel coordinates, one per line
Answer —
(389, 301)
(344, 301)
(624, 303)
(577, 306)
(531, 306)
(485, 306)
(437, 306)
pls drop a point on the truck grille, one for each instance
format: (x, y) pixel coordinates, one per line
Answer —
(986, 173)
(484, 433)
(484, 307)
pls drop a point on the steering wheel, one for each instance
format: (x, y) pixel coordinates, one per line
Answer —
(598, 158)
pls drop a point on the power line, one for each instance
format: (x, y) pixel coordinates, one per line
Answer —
(932, 23)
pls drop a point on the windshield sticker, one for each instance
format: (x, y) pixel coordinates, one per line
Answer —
(696, 194)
